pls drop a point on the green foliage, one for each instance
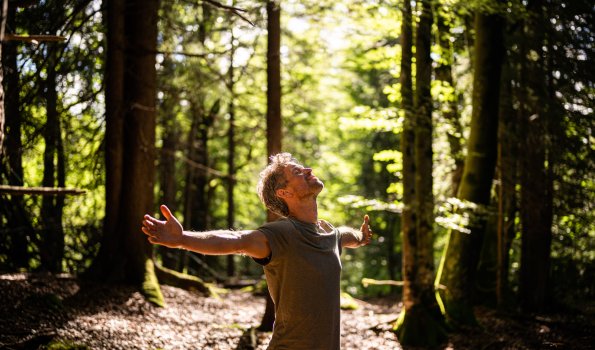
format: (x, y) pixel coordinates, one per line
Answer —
(342, 116)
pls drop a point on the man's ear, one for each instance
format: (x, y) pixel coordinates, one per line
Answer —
(283, 193)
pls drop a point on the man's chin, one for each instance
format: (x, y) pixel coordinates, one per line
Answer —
(319, 185)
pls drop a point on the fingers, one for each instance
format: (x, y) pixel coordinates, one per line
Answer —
(366, 230)
(366, 225)
(149, 228)
(166, 212)
(152, 221)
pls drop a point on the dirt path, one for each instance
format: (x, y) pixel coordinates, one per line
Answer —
(37, 309)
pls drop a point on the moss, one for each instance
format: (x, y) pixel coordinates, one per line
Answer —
(150, 287)
(417, 327)
(459, 313)
(65, 345)
(347, 302)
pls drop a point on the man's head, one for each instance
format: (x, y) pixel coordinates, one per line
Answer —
(283, 180)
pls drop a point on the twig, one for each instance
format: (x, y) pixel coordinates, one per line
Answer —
(368, 281)
(33, 38)
(234, 10)
(44, 191)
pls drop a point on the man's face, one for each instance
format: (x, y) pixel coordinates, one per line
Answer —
(301, 181)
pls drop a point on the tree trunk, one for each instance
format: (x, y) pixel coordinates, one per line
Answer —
(127, 253)
(457, 271)
(3, 18)
(449, 107)
(507, 174)
(274, 124)
(536, 179)
(274, 120)
(52, 238)
(231, 150)
(110, 253)
(197, 178)
(167, 168)
(420, 322)
(17, 217)
(195, 209)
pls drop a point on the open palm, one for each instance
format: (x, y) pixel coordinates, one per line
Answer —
(168, 232)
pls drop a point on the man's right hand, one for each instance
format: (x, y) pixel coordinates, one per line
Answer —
(168, 233)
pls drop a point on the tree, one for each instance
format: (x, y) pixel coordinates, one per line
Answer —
(125, 255)
(420, 322)
(52, 239)
(18, 222)
(461, 255)
(3, 14)
(507, 180)
(274, 120)
(537, 163)
(449, 95)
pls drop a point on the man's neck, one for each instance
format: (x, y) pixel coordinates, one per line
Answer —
(305, 211)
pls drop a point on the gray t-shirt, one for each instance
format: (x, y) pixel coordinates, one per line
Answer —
(303, 276)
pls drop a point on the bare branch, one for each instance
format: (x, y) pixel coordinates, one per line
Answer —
(33, 38)
(234, 10)
(43, 191)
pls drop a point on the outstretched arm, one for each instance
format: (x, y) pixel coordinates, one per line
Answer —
(352, 238)
(221, 242)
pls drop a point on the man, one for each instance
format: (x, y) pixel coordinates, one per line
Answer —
(300, 254)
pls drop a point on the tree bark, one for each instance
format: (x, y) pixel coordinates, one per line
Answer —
(110, 252)
(52, 239)
(3, 18)
(231, 150)
(127, 254)
(420, 322)
(274, 120)
(536, 179)
(459, 263)
(507, 174)
(18, 220)
(274, 124)
(449, 108)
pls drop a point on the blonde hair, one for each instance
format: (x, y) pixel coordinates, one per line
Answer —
(273, 178)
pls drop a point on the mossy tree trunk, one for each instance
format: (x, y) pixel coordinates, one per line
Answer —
(459, 263)
(125, 254)
(420, 322)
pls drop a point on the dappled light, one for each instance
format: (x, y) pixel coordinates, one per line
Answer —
(282, 174)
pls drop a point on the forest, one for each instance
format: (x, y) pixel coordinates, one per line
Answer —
(464, 129)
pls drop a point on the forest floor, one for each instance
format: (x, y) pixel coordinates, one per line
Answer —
(37, 310)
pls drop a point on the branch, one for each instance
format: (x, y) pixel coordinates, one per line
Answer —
(43, 191)
(22, 3)
(368, 281)
(180, 280)
(234, 10)
(197, 165)
(33, 38)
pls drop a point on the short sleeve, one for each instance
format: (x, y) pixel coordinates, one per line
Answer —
(328, 226)
(277, 234)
